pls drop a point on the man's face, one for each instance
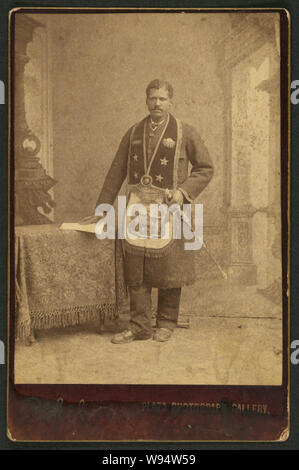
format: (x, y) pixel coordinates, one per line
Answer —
(158, 103)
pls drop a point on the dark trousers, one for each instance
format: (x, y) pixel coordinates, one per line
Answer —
(141, 308)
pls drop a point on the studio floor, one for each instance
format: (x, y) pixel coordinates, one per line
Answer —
(235, 338)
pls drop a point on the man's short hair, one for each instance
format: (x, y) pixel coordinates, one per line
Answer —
(160, 84)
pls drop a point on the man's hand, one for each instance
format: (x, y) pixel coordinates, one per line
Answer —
(175, 197)
(91, 219)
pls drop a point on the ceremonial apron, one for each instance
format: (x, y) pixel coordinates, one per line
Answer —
(149, 182)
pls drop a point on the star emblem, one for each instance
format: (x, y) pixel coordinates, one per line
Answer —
(159, 178)
(135, 157)
(136, 175)
(163, 161)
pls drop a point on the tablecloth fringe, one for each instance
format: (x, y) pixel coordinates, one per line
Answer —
(66, 317)
(23, 330)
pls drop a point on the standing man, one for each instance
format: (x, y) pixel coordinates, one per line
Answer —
(154, 156)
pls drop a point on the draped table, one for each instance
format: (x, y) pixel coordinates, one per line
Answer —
(64, 278)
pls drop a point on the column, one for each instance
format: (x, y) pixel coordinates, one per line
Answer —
(31, 181)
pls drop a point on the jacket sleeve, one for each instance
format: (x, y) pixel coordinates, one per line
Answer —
(202, 167)
(116, 174)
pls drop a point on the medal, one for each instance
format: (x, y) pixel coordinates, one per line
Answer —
(146, 180)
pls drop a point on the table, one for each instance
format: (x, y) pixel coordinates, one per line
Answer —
(64, 278)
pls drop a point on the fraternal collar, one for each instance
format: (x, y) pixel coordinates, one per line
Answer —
(154, 125)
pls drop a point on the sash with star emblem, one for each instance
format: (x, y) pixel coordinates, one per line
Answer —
(161, 170)
(148, 180)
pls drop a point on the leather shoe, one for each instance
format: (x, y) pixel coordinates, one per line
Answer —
(128, 336)
(162, 334)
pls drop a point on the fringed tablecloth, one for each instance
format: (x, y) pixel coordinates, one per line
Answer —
(64, 278)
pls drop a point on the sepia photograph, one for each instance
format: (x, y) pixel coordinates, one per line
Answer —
(147, 216)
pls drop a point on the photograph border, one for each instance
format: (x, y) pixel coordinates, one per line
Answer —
(129, 398)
